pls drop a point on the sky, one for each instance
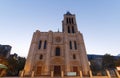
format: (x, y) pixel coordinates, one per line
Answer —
(98, 20)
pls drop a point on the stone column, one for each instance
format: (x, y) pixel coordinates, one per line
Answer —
(31, 55)
(48, 58)
(29, 62)
(49, 44)
(67, 59)
(83, 55)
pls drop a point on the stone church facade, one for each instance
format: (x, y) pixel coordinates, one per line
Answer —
(58, 51)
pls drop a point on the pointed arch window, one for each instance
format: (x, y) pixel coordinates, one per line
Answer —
(70, 44)
(39, 45)
(67, 20)
(68, 29)
(45, 44)
(57, 51)
(73, 31)
(75, 45)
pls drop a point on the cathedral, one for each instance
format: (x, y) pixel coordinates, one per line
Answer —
(58, 52)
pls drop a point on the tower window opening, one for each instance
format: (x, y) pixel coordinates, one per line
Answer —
(39, 45)
(68, 29)
(67, 20)
(73, 30)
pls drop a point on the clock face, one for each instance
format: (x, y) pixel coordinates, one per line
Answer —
(58, 39)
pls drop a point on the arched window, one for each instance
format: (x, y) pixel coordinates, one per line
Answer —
(45, 44)
(57, 51)
(68, 29)
(39, 45)
(74, 57)
(73, 31)
(41, 57)
(75, 45)
(70, 44)
(67, 20)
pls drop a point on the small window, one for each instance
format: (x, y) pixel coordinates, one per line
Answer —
(45, 44)
(57, 52)
(70, 44)
(41, 57)
(75, 45)
(39, 45)
(74, 57)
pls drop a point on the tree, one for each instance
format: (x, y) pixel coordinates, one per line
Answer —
(117, 62)
(12, 67)
(95, 66)
(21, 63)
(108, 61)
(16, 64)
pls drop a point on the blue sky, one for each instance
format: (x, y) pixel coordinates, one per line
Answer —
(98, 20)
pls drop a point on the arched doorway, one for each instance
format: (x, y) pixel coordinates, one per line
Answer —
(75, 69)
(39, 70)
(57, 70)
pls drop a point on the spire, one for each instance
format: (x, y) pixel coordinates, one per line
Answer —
(68, 13)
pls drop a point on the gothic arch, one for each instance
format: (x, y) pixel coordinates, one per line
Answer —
(57, 51)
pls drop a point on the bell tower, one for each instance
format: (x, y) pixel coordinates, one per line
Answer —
(69, 23)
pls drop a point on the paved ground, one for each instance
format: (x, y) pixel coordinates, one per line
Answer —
(61, 77)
